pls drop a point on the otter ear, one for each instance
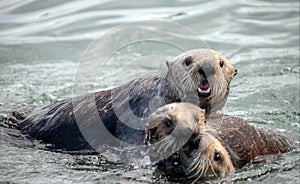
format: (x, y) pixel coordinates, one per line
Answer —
(235, 72)
(168, 64)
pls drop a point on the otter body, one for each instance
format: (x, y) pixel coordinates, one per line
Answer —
(58, 123)
(119, 115)
(244, 141)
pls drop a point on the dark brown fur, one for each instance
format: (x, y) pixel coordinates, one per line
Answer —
(102, 117)
(244, 141)
(235, 140)
(58, 123)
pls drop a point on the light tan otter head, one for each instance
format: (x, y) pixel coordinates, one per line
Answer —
(183, 145)
(210, 159)
(203, 78)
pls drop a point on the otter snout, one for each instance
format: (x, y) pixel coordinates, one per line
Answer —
(207, 69)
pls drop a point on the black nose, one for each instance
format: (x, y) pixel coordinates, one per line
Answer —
(207, 69)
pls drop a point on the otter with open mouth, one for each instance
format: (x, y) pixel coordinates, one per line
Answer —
(185, 144)
(201, 77)
(201, 81)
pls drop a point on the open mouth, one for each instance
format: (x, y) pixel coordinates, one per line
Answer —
(204, 88)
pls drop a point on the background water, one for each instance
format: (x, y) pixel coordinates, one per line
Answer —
(41, 43)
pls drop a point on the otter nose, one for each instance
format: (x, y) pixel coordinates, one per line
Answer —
(207, 69)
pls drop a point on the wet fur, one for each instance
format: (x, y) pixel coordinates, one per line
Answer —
(244, 141)
(62, 123)
(56, 123)
(240, 142)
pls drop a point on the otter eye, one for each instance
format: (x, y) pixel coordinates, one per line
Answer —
(217, 156)
(221, 63)
(188, 61)
(168, 123)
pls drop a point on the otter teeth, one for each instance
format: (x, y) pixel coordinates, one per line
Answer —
(203, 87)
(203, 91)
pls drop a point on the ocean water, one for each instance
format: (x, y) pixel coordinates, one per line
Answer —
(45, 44)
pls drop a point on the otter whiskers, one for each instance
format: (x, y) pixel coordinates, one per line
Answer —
(188, 82)
(167, 146)
(199, 167)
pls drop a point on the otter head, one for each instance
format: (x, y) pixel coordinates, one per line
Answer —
(183, 145)
(202, 77)
(204, 156)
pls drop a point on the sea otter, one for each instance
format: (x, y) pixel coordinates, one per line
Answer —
(186, 144)
(201, 77)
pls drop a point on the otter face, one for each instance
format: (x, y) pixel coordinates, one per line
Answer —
(204, 75)
(183, 145)
(179, 119)
(206, 157)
